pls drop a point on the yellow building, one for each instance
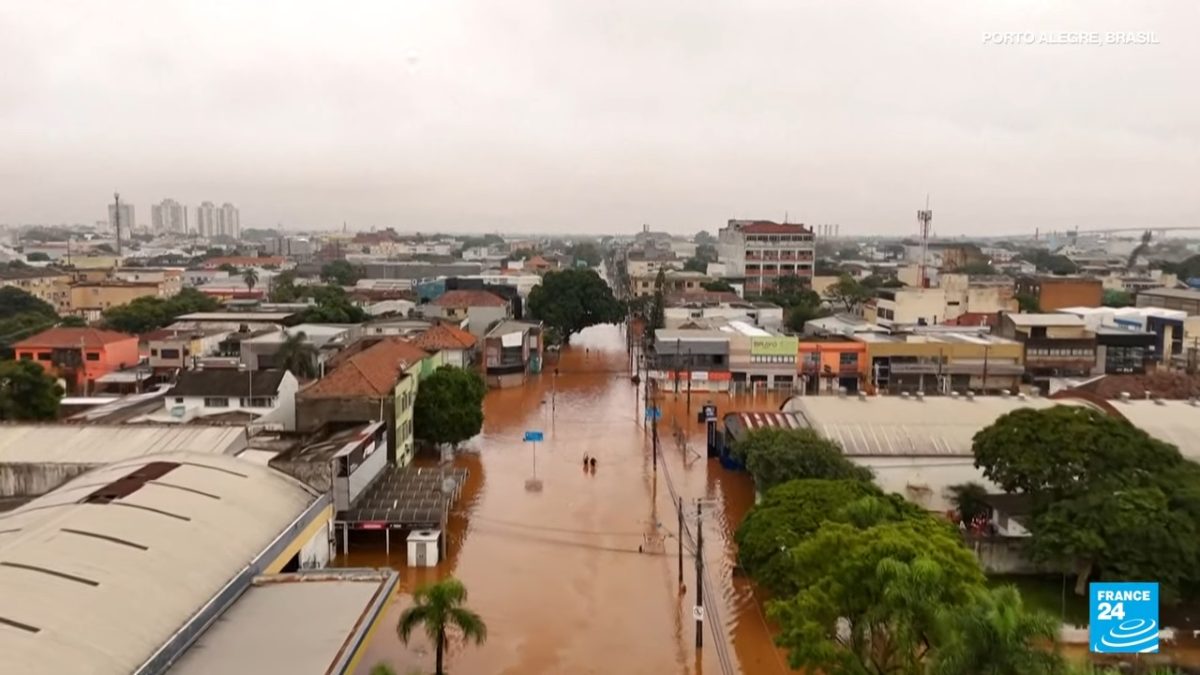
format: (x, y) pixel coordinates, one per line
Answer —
(90, 298)
(47, 284)
(941, 362)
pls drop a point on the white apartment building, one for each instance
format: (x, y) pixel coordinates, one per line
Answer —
(762, 251)
(206, 219)
(127, 218)
(169, 217)
(228, 221)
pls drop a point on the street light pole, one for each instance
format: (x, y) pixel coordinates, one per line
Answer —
(679, 540)
(699, 578)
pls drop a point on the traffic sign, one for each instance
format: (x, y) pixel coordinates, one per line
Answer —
(653, 413)
(533, 436)
(710, 413)
(697, 612)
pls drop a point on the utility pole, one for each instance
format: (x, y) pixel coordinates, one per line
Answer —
(699, 578)
(983, 387)
(678, 346)
(679, 540)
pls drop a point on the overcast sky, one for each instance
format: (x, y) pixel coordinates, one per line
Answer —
(594, 115)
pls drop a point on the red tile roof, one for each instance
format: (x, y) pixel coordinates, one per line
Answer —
(771, 227)
(66, 338)
(469, 298)
(442, 336)
(372, 372)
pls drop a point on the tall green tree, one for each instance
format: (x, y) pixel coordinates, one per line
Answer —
(774, 456)
(14, 302)
(297, 354)
(439, 609)
(969, 500)
(870, 598)
(73, 321)
(283, 287)
(1109, 499)
(27, 392)
(333, 305)
(587, 251)
(250, 278)
(571, 300)
(449, 406)
(340, 272)
(658, 305)
(995, 634)
(1117, 298)
(146, 314)
(793, 511)
(847, 293)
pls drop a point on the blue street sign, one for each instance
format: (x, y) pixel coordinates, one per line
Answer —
(533, 436)
(1124, 618)
(710, 413)
(653, 413)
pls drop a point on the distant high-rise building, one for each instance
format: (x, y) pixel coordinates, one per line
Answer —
(169, 217)
(229, 221)
(127, 220)
(206, 219)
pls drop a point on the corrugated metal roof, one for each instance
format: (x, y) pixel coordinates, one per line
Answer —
(100, 587)
(893, 426)
(96, 444)
(1175, 422)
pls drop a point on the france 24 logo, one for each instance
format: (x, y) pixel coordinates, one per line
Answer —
(1124, 618)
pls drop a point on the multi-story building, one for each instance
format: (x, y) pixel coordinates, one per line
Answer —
(228, 221)
(1054, 292)
(830, 363)
(127, 221)
(674, 282)
(1056, 345)
(908, 306)
(977, 295)
(47, 284)
(206, 219)
(169, 217)
(79, 356)
(939, 361)
(762, 251)
(90, 298)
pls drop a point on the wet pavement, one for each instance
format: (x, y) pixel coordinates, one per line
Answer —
(557, 574)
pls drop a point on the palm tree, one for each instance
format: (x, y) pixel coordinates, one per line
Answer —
(994, 634)
(439, 608)
(298, 356)
(250, 276)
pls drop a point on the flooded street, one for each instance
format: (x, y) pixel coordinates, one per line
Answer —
(557, 574)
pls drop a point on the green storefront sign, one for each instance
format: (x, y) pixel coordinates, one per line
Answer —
(774, 346)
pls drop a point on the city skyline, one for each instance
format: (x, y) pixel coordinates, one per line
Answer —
(465, 117)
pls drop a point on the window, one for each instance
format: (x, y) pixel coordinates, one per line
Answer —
(216, 402)
(93, 356)
(848, 359)
(153, 352)
(26, 356)
(170, 353)
(258, 402)
(179, 399)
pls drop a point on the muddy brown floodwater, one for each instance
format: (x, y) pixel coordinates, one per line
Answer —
(557, 574)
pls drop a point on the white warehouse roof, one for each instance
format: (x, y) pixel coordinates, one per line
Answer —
(99, 575)
(100, 444)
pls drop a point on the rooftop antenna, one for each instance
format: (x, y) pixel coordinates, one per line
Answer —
(924, 218)
(117, 218)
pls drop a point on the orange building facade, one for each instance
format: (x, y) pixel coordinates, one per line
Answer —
(79, 356)
(829, 363)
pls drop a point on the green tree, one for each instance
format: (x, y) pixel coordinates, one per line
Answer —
(439, 609)
(1028, 303)
(703, 237)
(848, 293)
(799, 315)
(790, 512)
(73, 321)
(1117, 298)
(340, 272)
(333, 305)
(297, 355)
(38, 256)
(449, 406)
(870, 598)
(283, 287)
(658, 305)
(1109, 499)
(774, 456)
(995, 634)
(587, 251)
(228, 267)
(14, 302)
(706, 252)
(148, 313)
(717, 286)
(27, 392)
(695, 264)
(969, 501)
(250, 278)
(571, 300)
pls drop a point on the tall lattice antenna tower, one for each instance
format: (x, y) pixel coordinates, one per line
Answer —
(924, 219)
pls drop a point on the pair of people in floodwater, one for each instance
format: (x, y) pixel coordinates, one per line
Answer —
(589, 463)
